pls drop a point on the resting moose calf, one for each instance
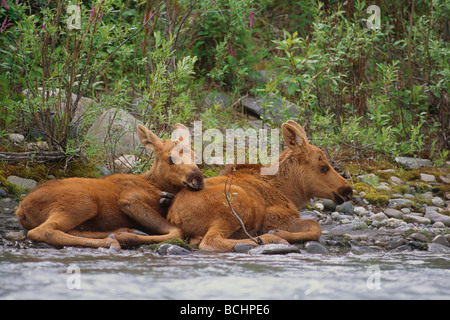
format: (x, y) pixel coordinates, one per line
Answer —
(85, 212)
(266, 204)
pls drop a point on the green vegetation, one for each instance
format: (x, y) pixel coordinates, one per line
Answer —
(359, 91)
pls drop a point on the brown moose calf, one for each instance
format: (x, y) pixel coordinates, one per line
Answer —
(85, 212)
(266, 204)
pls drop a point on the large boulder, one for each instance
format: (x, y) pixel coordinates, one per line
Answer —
(115, 129)
(273, 108)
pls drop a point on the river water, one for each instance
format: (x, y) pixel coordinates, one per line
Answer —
(79, 273)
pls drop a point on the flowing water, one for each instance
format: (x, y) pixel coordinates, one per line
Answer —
(75, 273)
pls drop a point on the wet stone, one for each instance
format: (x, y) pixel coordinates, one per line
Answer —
(315, 247)
(274, 248)
(171, 249)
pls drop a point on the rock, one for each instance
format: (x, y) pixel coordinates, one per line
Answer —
(444, 179)
(437, 217)
(396, 242)
(103, 170)
(15, 236)
(345, 207)
(438, 248)
(369, 179)
(438, 225)
(328, 204)
(274, 248)
(378, 217)
(438, 202)
(21, 182)
(125, 163)
(360, 211)
(396, 180)
(419, 237)
(399, 203)
(441, 240)
(116, 127)
(242, 247)
(16, 137)
(427, 177)
(315, 247)
(413, 163)
(172, 249)
(272, 108)
(415, 219)
(217, 98)
(3, 193)
(393, 213)
(384, 188)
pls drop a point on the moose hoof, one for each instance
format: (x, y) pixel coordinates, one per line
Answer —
(167, 195)
(114, 246)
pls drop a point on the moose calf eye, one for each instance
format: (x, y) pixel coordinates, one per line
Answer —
(323, 169)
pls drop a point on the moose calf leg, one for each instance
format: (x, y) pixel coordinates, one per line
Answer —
(137, 209)
(300, 230)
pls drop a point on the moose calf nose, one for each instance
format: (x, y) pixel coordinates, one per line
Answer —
(346, 192)
(196, 180)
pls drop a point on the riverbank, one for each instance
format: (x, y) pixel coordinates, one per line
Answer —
(392, 210)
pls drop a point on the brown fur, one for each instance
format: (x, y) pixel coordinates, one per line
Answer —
(84, 212)
(268, 205)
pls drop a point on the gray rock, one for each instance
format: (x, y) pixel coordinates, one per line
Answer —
(3, 193)
(171, 249)
(427, 177)
(438, 248)
(419, 237)
(437, 217)
(396, 180)
(274, 248)
(16, 137)
(242, 247)
(416, 219)
(103, 170)
(393, 213)
(272, 108)
(329, 204)
(315, 247)
(369, 179)
(117, 127)
(15, 236)
(399, 203)
(396, 242)
(441, 240)
(379, 217)
(345, 207)
(360, 211)
(438, 225)
(413, 163)
(21, 182)
(438, 202)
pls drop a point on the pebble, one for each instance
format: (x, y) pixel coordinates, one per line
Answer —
(437, 217)
(438, 225)
(345, 207)
(396, 180)
(21, 182)
(419, 237)
(369, 179)
(427, 177)
(416, 219)
(274, 248)
(15, 236)
(360, 211)
(397, 203)
(172, 249)
(379, 217)
(438, 202)
(413, 163)
(393, 213)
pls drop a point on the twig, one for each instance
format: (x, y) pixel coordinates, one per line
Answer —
(258, 240)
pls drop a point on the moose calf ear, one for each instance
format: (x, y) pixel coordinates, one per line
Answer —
(148, 139)
(181, 133)
(293, 137)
